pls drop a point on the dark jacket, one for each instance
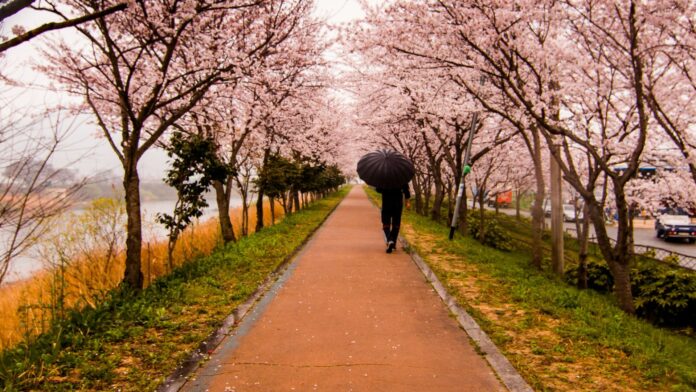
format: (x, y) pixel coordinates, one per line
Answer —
(394, 198)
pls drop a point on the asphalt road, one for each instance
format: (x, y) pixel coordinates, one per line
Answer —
(641, 236)
(647, 237)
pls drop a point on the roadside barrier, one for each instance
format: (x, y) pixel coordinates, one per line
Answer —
(658, 254)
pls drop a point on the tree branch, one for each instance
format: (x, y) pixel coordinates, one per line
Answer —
(55, 25)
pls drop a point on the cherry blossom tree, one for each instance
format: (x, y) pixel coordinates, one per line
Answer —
(669, 58)
(421, 103)
(568, 75)
(417, 43)
(143, 68)
(308, 133)
(511, 46)
(240, 114)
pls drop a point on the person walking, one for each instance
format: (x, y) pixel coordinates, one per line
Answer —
(392, 206)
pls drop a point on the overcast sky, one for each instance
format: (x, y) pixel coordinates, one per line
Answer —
(85, 150)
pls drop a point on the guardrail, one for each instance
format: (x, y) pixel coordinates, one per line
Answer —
(655, 253)
(665, 256)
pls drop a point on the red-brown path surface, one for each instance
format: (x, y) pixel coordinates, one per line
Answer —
(349, 318)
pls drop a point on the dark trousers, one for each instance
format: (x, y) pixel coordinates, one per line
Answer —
(391, 222)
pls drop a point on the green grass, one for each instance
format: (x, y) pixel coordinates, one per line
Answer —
(133, 342)
(556, 336)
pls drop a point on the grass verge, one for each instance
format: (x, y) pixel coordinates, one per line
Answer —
(556, 336)
(132, 342)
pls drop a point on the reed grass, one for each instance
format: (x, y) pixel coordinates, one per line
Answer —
(28, 307)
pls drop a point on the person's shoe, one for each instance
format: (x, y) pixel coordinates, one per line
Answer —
(391, 247)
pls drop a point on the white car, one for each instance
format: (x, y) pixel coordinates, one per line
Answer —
(675, 223)
(569, 213)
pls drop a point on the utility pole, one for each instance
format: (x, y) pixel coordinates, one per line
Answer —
(465, 171)
(556, 211)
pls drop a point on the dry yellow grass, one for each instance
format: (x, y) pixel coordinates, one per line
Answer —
(27, 307)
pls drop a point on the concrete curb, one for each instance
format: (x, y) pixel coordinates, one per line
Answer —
(501, 366)
(181, 375)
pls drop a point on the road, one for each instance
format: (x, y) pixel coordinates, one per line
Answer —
(641, 236)
(647, 237)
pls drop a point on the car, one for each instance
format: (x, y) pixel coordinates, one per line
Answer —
(674, 223)
(569, 214)
(568, 211)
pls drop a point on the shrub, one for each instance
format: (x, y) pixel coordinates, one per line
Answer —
(665, 295)
(494, 236)
(598, 276)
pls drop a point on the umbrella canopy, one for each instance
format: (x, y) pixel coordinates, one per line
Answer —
(385, 169)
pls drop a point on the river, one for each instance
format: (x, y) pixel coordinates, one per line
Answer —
(28, 263)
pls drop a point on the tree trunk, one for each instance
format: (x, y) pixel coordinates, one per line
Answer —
(518, 195)
(618, 257)
(222, 198)
(482, 215)
(620, 270)
(245, 213)
(537, 209)
(450, 201)
(170, 253)
(620, 265)
(537, 228)
(583, 239)
(428, 195)
(556, 184)
(133, 276)
(418, 194)
(259, 199)
(296, 200)
(272, 201)
(437, 202)
(259, 211)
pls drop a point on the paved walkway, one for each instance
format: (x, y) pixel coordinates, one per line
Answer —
(349, 317)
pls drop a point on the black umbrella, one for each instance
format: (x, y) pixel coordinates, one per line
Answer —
(385, 169)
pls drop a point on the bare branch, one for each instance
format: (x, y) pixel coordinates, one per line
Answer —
(55, 25)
